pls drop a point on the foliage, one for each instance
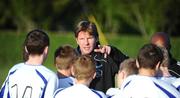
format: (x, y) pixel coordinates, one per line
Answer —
(145, 16)
(116, 16)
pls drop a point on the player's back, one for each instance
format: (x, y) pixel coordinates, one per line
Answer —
(28, 81)
(137, 86)
(78, 91)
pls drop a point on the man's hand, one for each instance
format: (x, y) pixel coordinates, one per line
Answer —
(105, 49)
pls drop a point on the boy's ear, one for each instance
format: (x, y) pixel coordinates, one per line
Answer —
(94, 75)
(26, 49)
(46, 49)
(72, 70)
(158, 65)
(137, 63)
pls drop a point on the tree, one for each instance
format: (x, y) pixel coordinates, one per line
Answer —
(146, 16)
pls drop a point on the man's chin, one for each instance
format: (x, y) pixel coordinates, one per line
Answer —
(86, 52)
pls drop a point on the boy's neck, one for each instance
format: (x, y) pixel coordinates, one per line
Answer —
(65, 73)
(35, 60)
(147, 72)
(84, 81)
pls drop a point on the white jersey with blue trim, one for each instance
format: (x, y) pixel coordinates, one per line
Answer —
(176, 83)
(65, 82)
(114, 93)
(78, 91)
(29, 81)
(137, 86)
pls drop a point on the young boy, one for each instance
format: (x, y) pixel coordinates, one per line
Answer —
(145, 84)
(30, 79)
(127, 67)
(63, 59)
(84, 71)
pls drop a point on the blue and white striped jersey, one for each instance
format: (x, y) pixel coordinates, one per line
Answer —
(29, 81)
(137, 86)
(176, 83)
(65, 82)
(78, 91)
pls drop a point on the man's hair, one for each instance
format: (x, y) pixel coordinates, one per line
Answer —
(149, 56)
(163, 37)
(35, 42)
(86, 26)
(129, 66)
(84, 67)
(64, 56)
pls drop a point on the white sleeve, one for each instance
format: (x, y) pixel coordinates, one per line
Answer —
(176, 83)
(112, 91)
(4, 89)
(51, 87)
(102, 94)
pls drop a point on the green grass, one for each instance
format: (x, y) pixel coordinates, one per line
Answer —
(11, 48)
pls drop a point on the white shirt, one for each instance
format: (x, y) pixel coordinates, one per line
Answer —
(29, 81)
(137, 86)
(176, 83)
(114, 93)
(78, 91)
(169, 80)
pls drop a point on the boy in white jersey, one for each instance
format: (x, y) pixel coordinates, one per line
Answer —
(30, 79)
(127, 67)
(84, 72)
(63, 58)
(145, 84)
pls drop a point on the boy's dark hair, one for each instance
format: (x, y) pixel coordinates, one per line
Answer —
(149, 56)
(35, 42)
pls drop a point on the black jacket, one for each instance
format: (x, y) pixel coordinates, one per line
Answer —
(106, 68)
(174, 67)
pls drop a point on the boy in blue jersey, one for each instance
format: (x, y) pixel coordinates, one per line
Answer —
(30, 79)
(145, 84)
(63, 58)
(84, 70)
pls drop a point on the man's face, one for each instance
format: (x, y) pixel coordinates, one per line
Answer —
(86, 42)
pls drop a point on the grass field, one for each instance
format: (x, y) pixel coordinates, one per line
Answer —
(11, 48)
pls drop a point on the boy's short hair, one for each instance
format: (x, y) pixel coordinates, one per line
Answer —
(149, 56)
(129, 66)
(63, 56)
(36, 41)
(84, 67)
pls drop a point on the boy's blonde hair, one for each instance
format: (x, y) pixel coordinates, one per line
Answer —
(129, 66)
(84, 67)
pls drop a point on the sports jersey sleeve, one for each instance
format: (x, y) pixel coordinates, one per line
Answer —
(51, 87)
(4, 89)
(4, 92)
(176, 83)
